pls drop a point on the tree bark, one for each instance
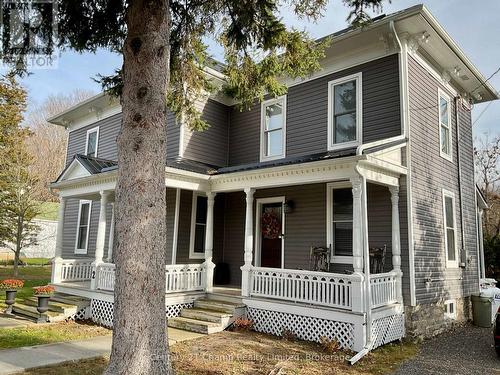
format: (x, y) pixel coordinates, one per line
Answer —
(17, 252)
(140, 344)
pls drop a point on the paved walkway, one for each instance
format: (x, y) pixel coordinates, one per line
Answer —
(20, 359)
(466, 351)
(8, 322)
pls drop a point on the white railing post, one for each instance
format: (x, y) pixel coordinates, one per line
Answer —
(396, 242)
(209, 244)
(248, 257)
(101, 234)
(357, 294)
(56, 263)
(111, 238)
(357, 225)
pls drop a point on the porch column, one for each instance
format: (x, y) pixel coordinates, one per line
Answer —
(101, 233)
(111, 234)
(357, 225)
(56, 263)
(396, 241)
(209, 243)
(247, 267)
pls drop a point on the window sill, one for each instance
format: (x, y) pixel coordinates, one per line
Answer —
(81, 251)
(343, 146)
(270, 158)
(445, 156)
(196, 255)
(341, 259)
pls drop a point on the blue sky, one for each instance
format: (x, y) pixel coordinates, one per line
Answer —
(474, 26)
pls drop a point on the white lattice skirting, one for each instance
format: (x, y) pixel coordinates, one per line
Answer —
(101, 312)
(387, 329)
(304, 327)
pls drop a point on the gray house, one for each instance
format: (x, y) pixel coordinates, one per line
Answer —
(346, 208)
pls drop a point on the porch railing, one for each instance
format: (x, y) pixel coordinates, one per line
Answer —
(179, 277)
(73, 269)
(383, 289)
(315, 288)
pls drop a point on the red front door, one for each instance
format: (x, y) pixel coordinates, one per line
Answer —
(271, 229)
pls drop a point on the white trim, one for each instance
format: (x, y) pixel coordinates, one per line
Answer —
(258, 236)
(450, 263)
(359, 112)
(330, 187)
(95, 129)
(263, 106)
(433, 72)
(82, 202)
(192, 254)
(442, 94)
(447, 313)
(69, 175)
(175, 235)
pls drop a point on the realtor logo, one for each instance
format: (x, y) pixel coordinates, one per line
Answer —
(28, 34)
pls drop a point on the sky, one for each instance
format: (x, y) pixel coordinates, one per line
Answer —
(475, 26)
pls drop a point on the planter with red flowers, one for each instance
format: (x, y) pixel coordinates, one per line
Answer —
(11, 286)
(43, 293)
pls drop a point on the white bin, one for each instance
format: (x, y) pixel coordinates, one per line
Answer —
(489, 289)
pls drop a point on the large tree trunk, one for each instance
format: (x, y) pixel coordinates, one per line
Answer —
(140, 343)
(17, 252)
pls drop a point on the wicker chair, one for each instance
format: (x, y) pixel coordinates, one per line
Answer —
(377, 259)
(319, 258)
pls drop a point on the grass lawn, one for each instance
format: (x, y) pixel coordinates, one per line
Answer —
(49, 333)
(253, 353)
(32, 276)
(48, 211)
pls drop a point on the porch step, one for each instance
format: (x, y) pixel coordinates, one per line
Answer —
(206, 315)
(195, 325)
(68, 299)
(217, 305)
(54, 306)
(31, 313)
(216, 296)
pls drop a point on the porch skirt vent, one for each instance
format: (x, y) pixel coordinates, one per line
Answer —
(101, 312)
(304, 327)
(388, 329)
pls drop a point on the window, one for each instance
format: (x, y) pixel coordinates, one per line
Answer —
(82, 229)
(444, 126)
(450, 233)
(344, 112)
(92, 142)
(273, 128)
(339, 221)
(198, 227)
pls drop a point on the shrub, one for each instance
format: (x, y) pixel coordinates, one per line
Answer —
(243, 324)
(11, 284)
(288, 335)
(45, 290)
(329, 346)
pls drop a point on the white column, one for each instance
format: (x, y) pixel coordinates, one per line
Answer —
(56, 264)
(101, 233)
(248, 257)
(357, 225)
(482, 271)
(209, 243)
(396, 242)
(175, 235)
(111, 234)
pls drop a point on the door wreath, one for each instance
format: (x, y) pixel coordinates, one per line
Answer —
(271, 225)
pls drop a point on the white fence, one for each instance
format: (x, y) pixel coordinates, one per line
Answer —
(105, 276)
(74, 269)
(184, 277)
(316, 288)
(383, 289)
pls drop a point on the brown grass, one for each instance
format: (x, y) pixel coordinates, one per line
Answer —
(230, 353)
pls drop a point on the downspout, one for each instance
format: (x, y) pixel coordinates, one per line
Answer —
(366, 263)
(463, 252)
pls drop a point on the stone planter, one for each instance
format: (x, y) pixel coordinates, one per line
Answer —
(43, 307)
(10, 298)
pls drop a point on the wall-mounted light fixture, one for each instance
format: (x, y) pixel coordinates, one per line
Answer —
(289, 206)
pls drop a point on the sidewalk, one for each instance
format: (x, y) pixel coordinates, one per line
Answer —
(20, 359)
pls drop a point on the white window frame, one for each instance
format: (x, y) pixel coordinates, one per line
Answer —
(442, 94)
(82, 202)
(192, 253)
(263, 106)
(90, 131)
(330, 187)
(447, 313)
(358, 77)
(450, 263)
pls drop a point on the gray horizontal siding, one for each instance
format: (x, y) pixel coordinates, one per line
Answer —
(211, 145)
(307, 111)
(430, 174)
(173, 135)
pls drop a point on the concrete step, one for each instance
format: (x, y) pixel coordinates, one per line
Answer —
(217, 305)
(224, 297)
(195, 325)
(68, 299)
(31, 312)
(207, 315)
(54, 306)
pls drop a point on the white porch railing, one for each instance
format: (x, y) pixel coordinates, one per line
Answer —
(184, 277)
(315, 288)
(105, 276)
(383, 289)
(74, 269)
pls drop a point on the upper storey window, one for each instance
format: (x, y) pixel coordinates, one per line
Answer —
(92, 142)
(273, 129)
(344, 112)
(444, 126)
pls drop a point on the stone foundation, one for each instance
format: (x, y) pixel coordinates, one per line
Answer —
(428, 320)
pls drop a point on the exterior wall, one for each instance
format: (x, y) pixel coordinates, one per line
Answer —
(430, 174)
(211, 145)
(307, 110)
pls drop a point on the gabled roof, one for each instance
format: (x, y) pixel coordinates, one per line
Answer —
(83, 165)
